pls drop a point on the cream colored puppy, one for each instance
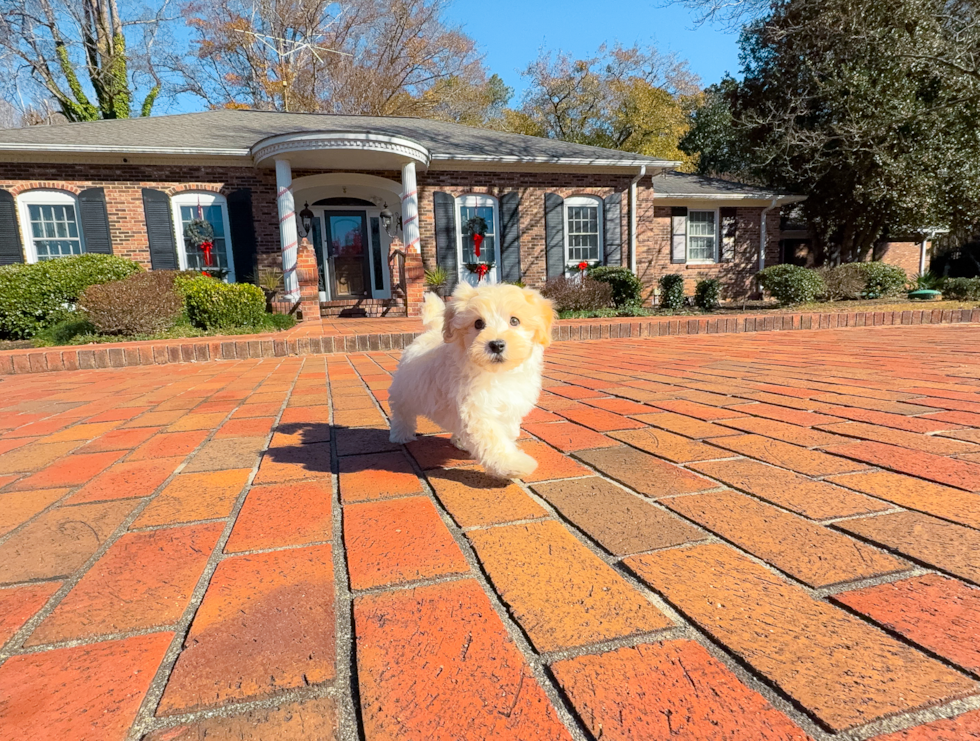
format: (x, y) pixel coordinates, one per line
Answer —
(476, 372)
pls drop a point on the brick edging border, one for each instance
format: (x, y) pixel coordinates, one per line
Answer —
(122, 355)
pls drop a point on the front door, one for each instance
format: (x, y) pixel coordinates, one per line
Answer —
(346, 242)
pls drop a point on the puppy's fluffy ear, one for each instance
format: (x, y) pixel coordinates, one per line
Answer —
(448, 330)
(463, 292)
(544, 315)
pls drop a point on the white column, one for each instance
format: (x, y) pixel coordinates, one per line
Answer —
(923, 250)
(288, 236)
(410, 208)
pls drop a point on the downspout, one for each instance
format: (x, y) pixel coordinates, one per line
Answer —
(633, 182)
(762, 233)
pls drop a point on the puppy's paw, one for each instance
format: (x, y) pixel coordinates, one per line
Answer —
(400, 438)
(459, 444)
(514, 467)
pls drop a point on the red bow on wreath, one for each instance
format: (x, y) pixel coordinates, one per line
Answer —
(206, 248)
(583, 266)
(482, 269)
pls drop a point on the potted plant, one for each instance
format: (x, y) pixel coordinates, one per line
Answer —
(435, 281)
(270, 281)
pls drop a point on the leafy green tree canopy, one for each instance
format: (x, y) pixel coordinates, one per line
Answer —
(869, 107)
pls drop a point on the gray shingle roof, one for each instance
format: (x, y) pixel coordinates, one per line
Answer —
(672, 184)
(233, 132)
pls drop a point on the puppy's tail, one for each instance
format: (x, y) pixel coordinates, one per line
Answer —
(433, 310)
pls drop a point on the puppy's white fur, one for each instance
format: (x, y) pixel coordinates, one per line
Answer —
(452, 375)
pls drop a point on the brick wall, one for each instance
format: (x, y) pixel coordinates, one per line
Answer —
(532, 188)
(653, 249)
(123, 185)
(903, 254)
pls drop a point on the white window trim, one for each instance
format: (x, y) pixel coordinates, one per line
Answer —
(585, 201)
(687, 254)
(193, 198)
(44, 198)
(477, 200)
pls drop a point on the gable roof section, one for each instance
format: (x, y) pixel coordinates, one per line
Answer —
(682, 185)
(233, 133)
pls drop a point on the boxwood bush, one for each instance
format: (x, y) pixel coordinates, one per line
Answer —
(671, 291)
(707, 294)
(882, 280)
(962, 289)
(791, 284)
(627, 290)
(213, 304)
(41, 294)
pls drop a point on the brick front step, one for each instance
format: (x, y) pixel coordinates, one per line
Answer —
(300, 341)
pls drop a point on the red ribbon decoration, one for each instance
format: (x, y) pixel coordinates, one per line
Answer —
(477, 241)
(482, 269)
(206, 247)
(583, 266)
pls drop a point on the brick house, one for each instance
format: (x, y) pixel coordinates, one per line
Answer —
(378, 198)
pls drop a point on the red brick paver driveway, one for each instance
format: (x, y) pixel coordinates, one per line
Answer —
(729, 537)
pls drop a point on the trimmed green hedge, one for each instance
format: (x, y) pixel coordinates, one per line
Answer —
(38, 295)
(213, 304)
(962, 289)
(707, 294)
(882, 280)
(626, 287)
(791, 284)
(671, 291)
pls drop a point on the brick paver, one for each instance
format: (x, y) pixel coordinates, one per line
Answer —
(774, 489)
(482, 683)
(938, 613)
(672, 690)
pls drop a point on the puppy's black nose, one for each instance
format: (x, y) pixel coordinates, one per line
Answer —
(496, 346)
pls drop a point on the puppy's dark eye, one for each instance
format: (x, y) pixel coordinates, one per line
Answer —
(514, 321)
(480, 324)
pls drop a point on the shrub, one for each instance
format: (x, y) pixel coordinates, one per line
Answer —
(44, 293)
(278, 322)
(64, 331)
(707, 293)
(671, 291)
(962, 289)
(882, 280)
(573, 294)
(627, 290)
(843, 282)
(212, 304)
(143, 303)
(791, 284)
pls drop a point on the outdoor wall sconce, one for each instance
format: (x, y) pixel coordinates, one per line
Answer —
(387, 218)
(306, 219)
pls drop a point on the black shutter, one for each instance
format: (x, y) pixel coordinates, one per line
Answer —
(678, 234)
(444, 210)
(95, 221)
(612, 222)
(10, 246)
(510, 237)
(728, 222)
(244, 247)
(159, 229)
(554, 231)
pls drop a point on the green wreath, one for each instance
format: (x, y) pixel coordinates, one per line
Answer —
(197, 232)
(476, 225)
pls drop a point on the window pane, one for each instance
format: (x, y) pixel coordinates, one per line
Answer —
(54, 230)
(583, 233)
(212, 214)
(487, 248)
(701, 236)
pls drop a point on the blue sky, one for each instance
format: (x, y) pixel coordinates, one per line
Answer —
(511, 32)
